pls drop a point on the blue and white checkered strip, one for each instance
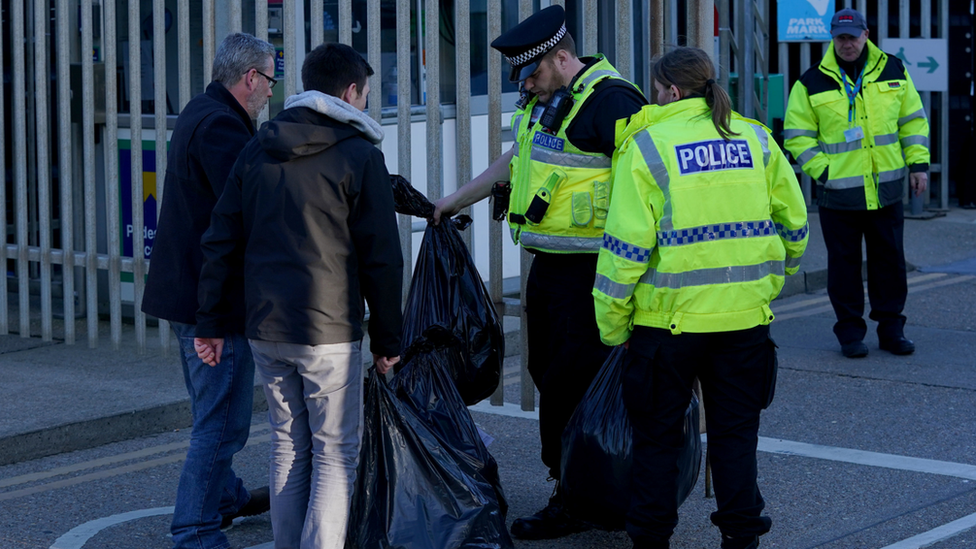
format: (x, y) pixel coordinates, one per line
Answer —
(792, 236)
(626, 250)
(722, 231)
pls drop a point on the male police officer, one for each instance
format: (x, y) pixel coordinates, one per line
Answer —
(559, 171)
(853, 122)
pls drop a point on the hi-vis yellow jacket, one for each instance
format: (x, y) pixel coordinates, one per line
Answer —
(575, 183)
(864, 173)
(701, 231)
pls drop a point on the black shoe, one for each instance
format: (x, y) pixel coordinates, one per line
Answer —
(898, 346)
(549, 523)
(259, 503)
(856, 349)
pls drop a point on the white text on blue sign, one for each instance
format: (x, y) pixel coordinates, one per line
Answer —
(548, 141)
(714, 155)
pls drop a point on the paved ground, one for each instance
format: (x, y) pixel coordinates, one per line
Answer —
(870, 453)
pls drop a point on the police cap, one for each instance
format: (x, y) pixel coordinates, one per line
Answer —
(525, 44)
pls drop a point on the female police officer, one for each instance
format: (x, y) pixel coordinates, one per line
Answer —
(706, 218)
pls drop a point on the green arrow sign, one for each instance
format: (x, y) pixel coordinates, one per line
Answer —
(932, 65)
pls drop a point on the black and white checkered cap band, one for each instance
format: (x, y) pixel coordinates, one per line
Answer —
(524, 58)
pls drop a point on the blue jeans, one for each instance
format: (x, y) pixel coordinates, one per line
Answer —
(221, 398)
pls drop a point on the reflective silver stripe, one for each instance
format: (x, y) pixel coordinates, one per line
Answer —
(720, 275)
(570, 160)
(892, 175)
(808, 155)
(920, 113)
(613, 289)
(790, 134)
(886, 139)
(792, 262)
(764, 141)
(915, 140)
(793, 236)
(719, 231)
(659, 172)
(517, 124)
(560, 243)
(626, 250)
(845, 182)
(597, 75)
(838, 148)
(515, 148)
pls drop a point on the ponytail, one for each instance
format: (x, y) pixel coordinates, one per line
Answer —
(692, 72)
(719, 101)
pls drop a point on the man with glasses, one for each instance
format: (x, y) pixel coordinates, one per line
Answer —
(210, 133)
(271, 81)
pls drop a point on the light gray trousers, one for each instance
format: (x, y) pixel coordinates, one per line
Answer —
(315, 404)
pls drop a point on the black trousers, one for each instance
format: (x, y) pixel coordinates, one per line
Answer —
(565, 351)
(883, 232)
(737, 371)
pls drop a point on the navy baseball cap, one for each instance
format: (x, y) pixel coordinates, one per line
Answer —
(525, 44)
(847, 21)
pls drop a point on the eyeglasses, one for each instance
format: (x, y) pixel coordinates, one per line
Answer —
(271, 81)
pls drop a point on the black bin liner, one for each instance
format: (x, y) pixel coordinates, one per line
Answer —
(448, 304)
(416, 488)
(427, 389)
(598, 451)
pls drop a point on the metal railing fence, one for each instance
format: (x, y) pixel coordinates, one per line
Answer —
(63, 253)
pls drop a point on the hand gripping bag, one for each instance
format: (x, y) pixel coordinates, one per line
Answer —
(414, 488)
(448, 304)
(598, 451)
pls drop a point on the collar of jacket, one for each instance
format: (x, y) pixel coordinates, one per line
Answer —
(652, 114)
(338, 110)
(872, 66)
(218, 92)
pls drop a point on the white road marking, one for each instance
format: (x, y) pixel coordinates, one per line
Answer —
(942, 533)
(800, 449)
(832, 453)
(862, 457)
(79, 535)
(507, 410)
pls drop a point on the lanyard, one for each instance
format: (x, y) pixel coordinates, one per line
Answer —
(851, 93)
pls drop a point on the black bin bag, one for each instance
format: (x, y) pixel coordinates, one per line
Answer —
(415, 488)
(426, 388)
(598, 451)
(448, 304)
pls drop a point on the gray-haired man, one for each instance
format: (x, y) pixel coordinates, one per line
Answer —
(210, 133)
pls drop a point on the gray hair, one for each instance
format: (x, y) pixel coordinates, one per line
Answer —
(237, 54)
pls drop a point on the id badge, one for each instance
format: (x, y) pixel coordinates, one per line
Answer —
(854, 134)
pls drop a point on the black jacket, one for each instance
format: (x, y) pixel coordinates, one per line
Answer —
(310, 204)
(209, 135)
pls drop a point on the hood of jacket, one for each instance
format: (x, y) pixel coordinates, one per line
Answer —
(312, 122)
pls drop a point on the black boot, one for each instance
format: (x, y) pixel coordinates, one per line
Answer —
(549, 523)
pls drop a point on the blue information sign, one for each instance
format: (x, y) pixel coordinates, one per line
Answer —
(804, 20)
